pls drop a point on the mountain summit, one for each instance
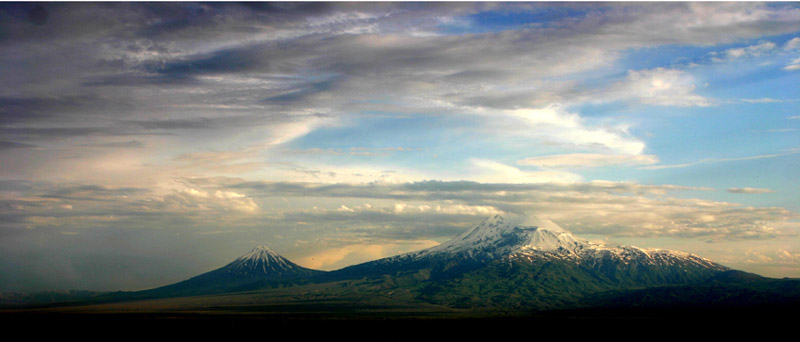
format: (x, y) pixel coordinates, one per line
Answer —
(498, 236)
(262, 262)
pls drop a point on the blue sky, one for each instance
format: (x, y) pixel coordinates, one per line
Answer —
(181, 135)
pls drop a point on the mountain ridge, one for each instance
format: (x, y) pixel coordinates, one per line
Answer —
(498, 263)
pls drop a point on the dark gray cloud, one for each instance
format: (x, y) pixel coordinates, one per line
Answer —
(194, 123)
(236, 60)
(7, 145)
(32, 109)
(112, 62)
(15, 185)
(118, 144)
(49, 133)
(138, 80)
(91, 192)
(303, 92)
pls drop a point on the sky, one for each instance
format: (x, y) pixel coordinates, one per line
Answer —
(145, 143)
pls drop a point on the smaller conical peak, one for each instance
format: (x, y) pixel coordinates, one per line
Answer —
(263, 261)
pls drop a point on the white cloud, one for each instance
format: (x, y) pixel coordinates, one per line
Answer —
(416, 208)
(792, 44)
(191, 200)
(588, 160)
(743, 52)
(777, 259)
(285, 132)
(554, 124)
(659, 86)
(195, 193)
(752, 50)
(762, 100)
(488, 171)
(792, 67)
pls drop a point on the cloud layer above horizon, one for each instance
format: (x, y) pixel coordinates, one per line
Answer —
(181, 134)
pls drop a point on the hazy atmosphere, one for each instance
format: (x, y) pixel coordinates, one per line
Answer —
(145, 143)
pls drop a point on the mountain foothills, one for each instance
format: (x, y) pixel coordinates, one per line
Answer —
(498, 265)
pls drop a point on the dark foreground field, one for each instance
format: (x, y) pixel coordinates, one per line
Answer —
(395, 322)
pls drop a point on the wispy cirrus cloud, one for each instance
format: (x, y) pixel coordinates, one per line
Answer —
(749, 190)
(718, 160)
(578, 160)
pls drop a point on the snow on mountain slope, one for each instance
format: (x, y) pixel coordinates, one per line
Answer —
(497, 237)
(500, 236)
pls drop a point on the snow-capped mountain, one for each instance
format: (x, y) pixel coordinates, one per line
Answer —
(497, 237)
(262, 262)
(258, 267)
(497, 241)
